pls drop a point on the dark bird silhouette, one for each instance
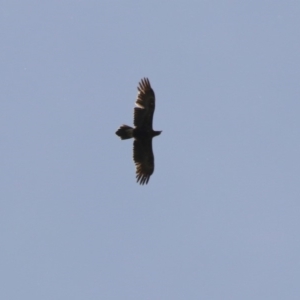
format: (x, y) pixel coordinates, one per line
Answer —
(142, 132)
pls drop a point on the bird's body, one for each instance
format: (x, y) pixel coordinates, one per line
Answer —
(142, 132)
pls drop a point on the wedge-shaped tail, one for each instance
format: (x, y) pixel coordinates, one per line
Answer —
(125, 132)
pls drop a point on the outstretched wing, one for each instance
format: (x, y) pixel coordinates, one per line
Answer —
(145, 105)
(144, 159)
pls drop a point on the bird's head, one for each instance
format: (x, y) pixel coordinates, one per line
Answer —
(157, 133)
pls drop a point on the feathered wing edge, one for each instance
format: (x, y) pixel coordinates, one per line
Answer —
(144, 160)
(145, 104)
(144, 88)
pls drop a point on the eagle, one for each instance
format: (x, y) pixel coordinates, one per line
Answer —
(142, 132)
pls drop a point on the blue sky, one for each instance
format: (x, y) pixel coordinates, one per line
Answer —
(219, 218)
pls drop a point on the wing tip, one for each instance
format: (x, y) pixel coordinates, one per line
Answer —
(144, 84)
(142, 179)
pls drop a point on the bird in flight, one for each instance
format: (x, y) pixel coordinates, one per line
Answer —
(142, 132)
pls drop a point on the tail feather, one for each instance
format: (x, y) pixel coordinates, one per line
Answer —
(124, 132)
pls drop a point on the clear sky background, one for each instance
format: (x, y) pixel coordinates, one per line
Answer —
(220, 216)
